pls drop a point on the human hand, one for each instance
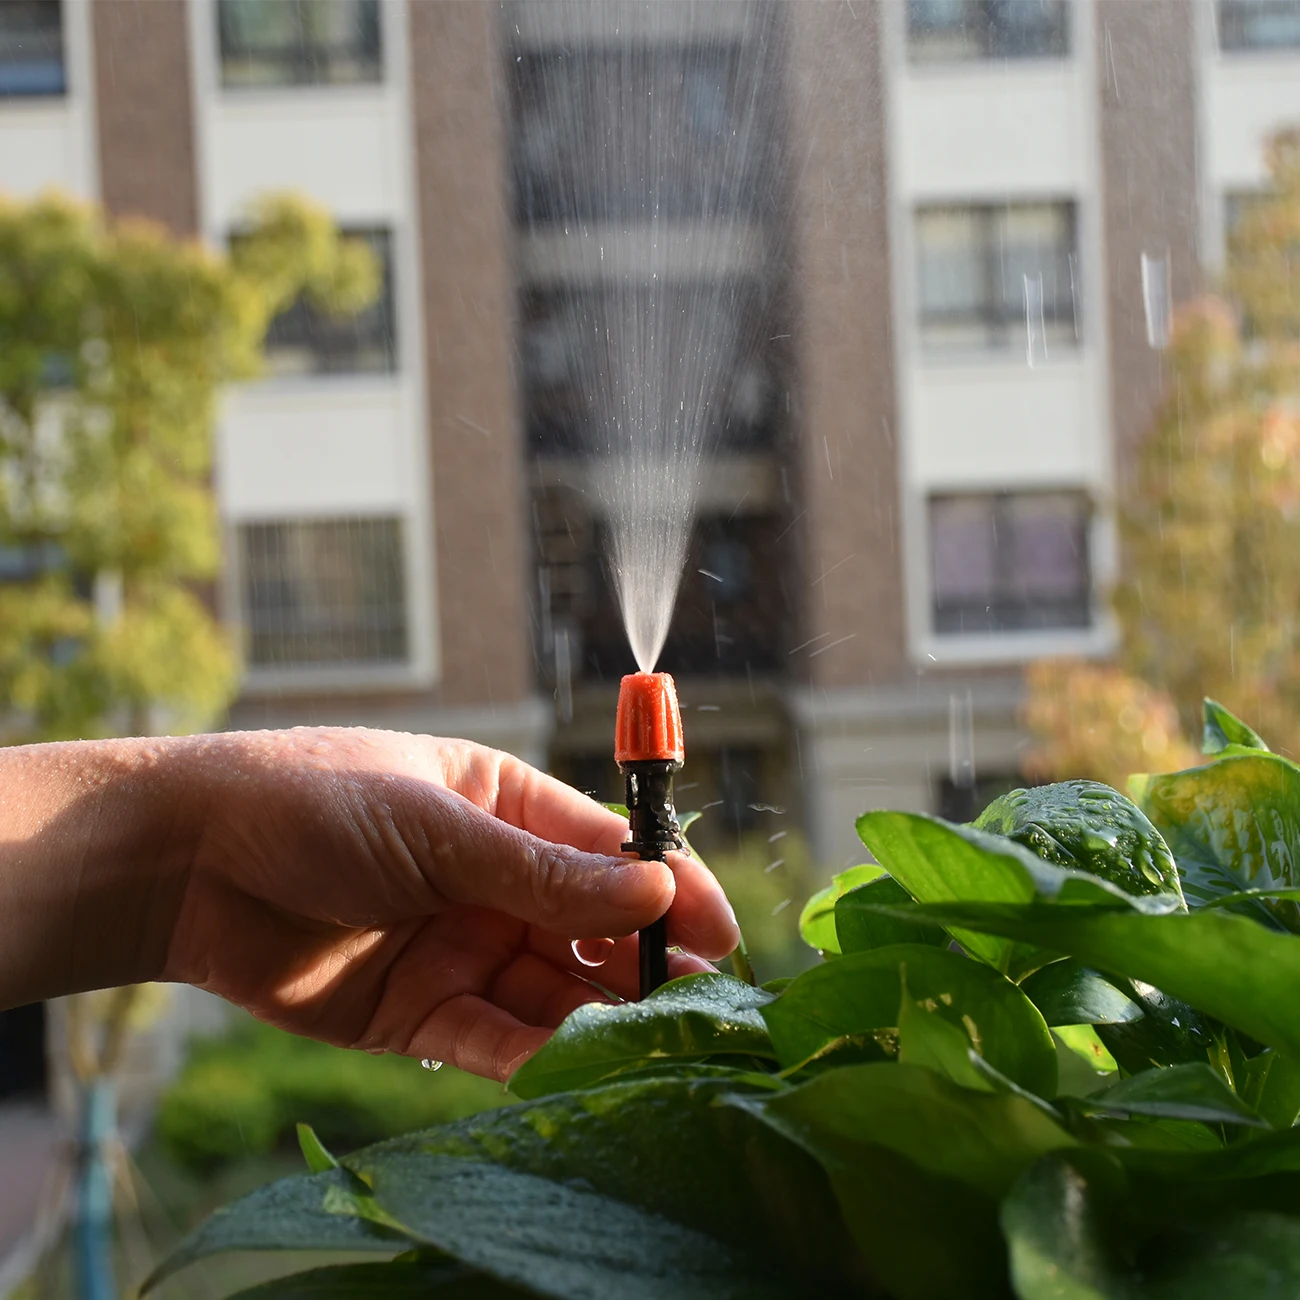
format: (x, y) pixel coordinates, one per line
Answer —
(408, 894)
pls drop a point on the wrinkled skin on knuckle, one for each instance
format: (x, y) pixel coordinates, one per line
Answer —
(552, 876)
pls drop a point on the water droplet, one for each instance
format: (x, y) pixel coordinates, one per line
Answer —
(430, 1064)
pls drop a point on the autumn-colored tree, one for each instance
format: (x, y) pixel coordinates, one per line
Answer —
(1209, 601)
(115, 340)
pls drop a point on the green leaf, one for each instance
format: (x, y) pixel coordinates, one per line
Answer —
(1068, 993)
(313, 1150)
(937, 862)
(917, 1163)
(860, 929)
(1082, 1040)
(1087, 826)
(668, 1146)
(1223, 729)
(1233, 825)
(1070, 1237)
(1270, 1084)
(692, 1017)
(1169, 1032)
(1226, 966)
(561, 1240)
(817, 920)
(1191, 1091)
(859, 995)
(926, 1038)
(307, 1212)
(400, 1278)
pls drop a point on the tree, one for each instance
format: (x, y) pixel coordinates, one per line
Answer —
(115, 341)
(1209, 603)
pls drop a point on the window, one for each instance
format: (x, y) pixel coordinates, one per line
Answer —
(997, 276)
(1259, 24)
(325, 592)
(299, 42)
(31, 48)
(942, 31)
(305, 340)
(1010, 562)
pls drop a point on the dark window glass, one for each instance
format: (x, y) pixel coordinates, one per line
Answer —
(940, 31)
(305, 340)
(994, 276)
(1010, 562)
(1259, 24)
(299, 42)
(31, 48)
(575, 346)
(963, 801)
(22, 1052)
(329, 592)
(590, 126)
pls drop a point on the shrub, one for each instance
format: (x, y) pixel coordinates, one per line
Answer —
(242, 1095)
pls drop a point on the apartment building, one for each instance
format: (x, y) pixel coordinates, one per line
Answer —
(942, 281)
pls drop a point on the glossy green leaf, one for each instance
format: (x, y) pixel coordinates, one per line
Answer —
(1233, 825)
(1068, 993)
(696, 1016)
(325, 1211)
(1072, 1238)
(860, 929)
(560, 1240)
(918, 1164)
(1082, 1040)
(1169, 1031)
(927, 1038)
(1087, 826)
(313, 1150)
(1270, 1084)
(1223, 729)
(859, 995)
(1226, 966)
(668, 1146)
(817, 920)
(1180, 1092)
(399, 1279)
(938, 862)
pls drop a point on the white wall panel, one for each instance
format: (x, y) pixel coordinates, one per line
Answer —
(990, 131)
(1247, 99)
(338, 147)
(1001, 426)
(290, 454)
(40, 149)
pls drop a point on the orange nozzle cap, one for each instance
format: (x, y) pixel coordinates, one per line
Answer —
(649, 723)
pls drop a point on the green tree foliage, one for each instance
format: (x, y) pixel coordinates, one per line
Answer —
(115, 342)
(1210, 523)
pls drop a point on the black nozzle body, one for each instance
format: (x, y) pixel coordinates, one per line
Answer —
(652, 832)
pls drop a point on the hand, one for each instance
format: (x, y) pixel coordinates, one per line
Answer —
(406, 894)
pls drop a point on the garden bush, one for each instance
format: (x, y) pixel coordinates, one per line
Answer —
(243, 1093)
(1053, 1054)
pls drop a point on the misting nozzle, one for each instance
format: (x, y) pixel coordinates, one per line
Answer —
(648, 749)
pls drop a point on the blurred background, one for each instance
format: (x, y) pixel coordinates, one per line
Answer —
(1000, 473)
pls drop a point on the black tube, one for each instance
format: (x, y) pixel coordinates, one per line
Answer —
(652, 832)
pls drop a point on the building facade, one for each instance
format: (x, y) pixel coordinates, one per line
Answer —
(937, 283)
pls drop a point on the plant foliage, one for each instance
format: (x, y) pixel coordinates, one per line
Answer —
(1051, 1055)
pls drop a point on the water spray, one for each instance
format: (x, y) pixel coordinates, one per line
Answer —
(648, 750)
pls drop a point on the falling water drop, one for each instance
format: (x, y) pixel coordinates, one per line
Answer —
(430, 1064)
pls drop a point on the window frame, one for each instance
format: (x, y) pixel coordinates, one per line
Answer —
(1230, 15)
(1000, 500)
(383, 240)
(984, 53)
(1004, 333)
(44, 93)
(297, 56)
(309, 674)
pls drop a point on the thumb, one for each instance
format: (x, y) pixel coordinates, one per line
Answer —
(489, 863)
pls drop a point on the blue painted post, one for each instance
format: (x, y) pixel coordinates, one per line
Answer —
(93, 1228)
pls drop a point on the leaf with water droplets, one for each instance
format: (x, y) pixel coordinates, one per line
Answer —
(1087, 826)
(1223, 729)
